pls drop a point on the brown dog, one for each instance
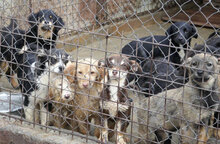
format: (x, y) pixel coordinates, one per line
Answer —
(61, 95)
(88, 80)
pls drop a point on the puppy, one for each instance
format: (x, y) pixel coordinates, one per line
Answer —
(34, 76)
(186, 107)
(44, 28)
(88, 79)
(159, 75)
(214, 39)
(179, 35)
(43, 31)
(61, 96)
(115, 103)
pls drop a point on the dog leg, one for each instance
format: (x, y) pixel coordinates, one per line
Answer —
(103, 137)
(120, 137)
(203, 136)
(29, 112)
(44, 116)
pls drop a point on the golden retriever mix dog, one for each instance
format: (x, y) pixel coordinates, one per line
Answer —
(61, 95)
(88, 78)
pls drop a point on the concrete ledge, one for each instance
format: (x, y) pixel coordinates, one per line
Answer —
(13, 132)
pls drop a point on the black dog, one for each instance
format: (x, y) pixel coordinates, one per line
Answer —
(179, 35)
(214, 39)
(44, 28)
(159, 75)
(43, 31)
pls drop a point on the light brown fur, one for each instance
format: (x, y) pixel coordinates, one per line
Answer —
(174, 109)
(86, 98)
(62, 110)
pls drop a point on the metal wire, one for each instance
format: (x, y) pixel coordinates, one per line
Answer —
(98, 30)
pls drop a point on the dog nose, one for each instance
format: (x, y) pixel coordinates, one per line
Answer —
(180, 39)
(200, 72)
(46, 22)
(114, 72)
(67, 96)
(61, 68)
(85, 85)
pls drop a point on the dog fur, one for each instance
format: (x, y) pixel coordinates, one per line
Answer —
(88, 80)
(43, 31)
(159, 75)
(180, 108)
(61, 96)
(34, 76)
(115, 103)
(178, 34)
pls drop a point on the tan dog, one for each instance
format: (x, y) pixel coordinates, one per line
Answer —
(188, 108)
(88, 78)
(61, 95)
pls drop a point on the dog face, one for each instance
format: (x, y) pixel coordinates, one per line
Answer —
(63, 86)
(87, 73)
(46, 22)
(181, 32)
(119, 66)
(57, 60)
(203, 69)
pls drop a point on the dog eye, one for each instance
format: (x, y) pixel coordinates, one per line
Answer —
(80, 72)
(92, 72)
(185, 30)
(194, 64)
(209, 64)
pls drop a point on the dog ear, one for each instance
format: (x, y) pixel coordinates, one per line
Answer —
(101, 63)
(169, 31)
(188, 61)
(33, 18)
(58, 24)
(70, 72)
(194, 31)
(135, 67)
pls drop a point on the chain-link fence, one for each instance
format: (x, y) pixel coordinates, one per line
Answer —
(113, 71)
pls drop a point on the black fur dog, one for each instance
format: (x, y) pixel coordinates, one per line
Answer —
(179, 35)
(159, 75)
(44, 28)
(43, 31)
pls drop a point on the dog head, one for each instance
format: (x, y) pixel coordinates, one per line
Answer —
(61, 86)
(88, 73)
(203, 69)
(181, 32)
(118, 67)
(46, 23)
(57, 60)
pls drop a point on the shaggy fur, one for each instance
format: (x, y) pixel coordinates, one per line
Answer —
(34, 76)
(88, 79)
(61, 96)
(43, 32)
(186, 107)
(115, 103)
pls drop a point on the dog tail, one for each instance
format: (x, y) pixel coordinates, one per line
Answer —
(13, 24)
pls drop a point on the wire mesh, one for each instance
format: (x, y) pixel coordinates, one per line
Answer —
(113, 71)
